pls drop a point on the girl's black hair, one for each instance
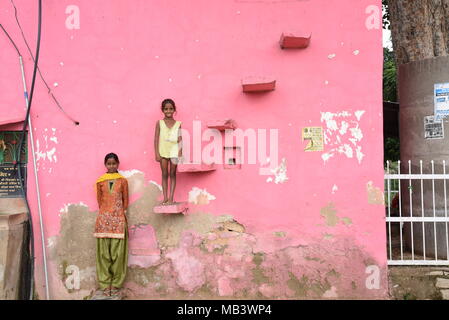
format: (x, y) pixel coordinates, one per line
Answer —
(168, 101)
(111, 155)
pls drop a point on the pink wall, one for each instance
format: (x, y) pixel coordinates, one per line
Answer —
(113, 72)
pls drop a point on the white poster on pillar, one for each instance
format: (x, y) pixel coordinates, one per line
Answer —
(441, 100)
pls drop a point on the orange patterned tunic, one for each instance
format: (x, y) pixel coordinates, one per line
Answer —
(112, 197)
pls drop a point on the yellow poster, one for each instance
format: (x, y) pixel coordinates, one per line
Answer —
(315, 137)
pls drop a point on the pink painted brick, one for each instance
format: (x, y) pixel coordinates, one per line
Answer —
(177, 207)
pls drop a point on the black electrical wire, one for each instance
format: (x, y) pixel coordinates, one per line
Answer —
(19, 150)
(28, 241)
(38, 69)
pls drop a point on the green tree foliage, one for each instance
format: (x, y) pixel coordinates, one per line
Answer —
(389, 77)
(391, 149)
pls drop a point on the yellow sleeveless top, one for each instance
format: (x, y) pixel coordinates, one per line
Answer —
(168, 139)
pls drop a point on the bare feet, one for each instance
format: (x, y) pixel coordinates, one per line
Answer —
(116, 292)
(107, 292)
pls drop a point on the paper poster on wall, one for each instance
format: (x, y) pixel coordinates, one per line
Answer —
(441, 100)
(433, 128)
(315, 137)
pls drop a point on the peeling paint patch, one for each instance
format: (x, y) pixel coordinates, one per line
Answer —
(200, 196)
(343, 134)
(280, 173)
(45, 152)
(331, 293)
(156, 184)
(330, 214)
(375, 194)
(328, 236)
(190, 270)
(347, 221)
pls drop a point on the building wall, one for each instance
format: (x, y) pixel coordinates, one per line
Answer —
(314, 228)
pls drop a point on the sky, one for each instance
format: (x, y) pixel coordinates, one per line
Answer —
(387, 39)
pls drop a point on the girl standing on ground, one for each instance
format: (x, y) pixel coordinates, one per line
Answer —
(111, 228)
(167, 148)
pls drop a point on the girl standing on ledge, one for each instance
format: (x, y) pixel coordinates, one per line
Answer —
(111, 228)
(167, 148)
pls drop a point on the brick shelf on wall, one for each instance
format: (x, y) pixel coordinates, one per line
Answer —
(258, 84)
(292, 41)
(194, 167)
(222, 124)
(175, 208)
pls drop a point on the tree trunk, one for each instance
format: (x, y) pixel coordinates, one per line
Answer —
(420, 35)
(419, 29)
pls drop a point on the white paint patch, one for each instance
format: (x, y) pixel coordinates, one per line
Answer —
(61, 63)
(114, 121)
(129, 173)
(326, 82)
(55, 84)
(156, 184)
(359, 114)
(269, 179)
(47, 152)
(65, 208)
(200, 196)
(45, 155)
(334, 189)
(326, 156)
(357, 133)
(343, 133)
(331, 56)
(359, 154)
(88, 274)
(280, 173)
(344, 127)
(48, 194)
(346, 149)
(356, 52)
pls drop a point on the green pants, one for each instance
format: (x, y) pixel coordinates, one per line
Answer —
(112, 261)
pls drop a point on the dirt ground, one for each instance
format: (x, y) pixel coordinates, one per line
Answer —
(419, 283)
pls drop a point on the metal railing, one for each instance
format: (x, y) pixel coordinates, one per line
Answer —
(416, 215)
